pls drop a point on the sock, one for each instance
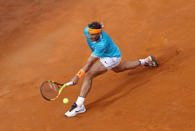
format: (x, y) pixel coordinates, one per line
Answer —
(142, 61)
(80, 100)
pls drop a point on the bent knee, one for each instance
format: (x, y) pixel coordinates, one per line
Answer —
(89, 75)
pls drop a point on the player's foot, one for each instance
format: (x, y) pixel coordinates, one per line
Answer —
(75, 110)
(151, 61)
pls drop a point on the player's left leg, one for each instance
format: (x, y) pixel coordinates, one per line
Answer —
(97, 69)
(78, 107)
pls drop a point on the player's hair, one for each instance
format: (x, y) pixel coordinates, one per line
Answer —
(95, 25)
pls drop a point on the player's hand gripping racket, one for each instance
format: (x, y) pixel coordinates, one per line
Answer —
(50, 90)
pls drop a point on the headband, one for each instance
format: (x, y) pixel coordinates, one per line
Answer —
(94, 31)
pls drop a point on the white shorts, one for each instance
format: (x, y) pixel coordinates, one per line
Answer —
(110, 62)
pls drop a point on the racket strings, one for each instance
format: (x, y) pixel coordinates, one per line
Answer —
(50, 90)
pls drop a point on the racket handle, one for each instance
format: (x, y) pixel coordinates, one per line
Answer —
(69, 83)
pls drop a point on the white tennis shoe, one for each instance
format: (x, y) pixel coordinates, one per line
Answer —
(151, 61)
(75, 109)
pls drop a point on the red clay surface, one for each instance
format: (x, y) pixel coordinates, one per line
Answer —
(44, 40)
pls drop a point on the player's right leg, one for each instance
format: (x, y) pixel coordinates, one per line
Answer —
(148, 61)
(126, 66)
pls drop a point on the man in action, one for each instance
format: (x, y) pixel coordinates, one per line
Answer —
(105, 56)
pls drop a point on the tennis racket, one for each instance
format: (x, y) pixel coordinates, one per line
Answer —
(51, 90)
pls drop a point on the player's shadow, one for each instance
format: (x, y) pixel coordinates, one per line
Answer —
(137, 78)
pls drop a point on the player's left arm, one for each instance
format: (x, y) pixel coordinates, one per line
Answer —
(96, 54)
(98, 51)
(91, 60)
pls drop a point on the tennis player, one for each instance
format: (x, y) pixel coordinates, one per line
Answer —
(105, 56)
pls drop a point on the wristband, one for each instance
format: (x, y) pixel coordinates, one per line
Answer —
(81, 73)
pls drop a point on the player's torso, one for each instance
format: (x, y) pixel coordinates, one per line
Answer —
(111, 49)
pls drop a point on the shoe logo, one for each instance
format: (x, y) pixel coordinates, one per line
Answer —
(80, 110)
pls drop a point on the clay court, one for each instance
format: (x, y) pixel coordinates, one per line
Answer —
(44, 40)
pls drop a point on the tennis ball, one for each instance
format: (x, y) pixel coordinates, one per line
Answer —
(65, 100)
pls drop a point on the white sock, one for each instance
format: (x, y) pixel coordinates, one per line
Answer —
(80, 100)
(142, 61)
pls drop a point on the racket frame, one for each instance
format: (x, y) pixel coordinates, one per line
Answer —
(59, 92)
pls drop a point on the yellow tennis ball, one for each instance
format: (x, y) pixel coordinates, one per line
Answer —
(65, 100)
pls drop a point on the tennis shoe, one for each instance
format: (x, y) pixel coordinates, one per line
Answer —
(151, 61)
(75, 109)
